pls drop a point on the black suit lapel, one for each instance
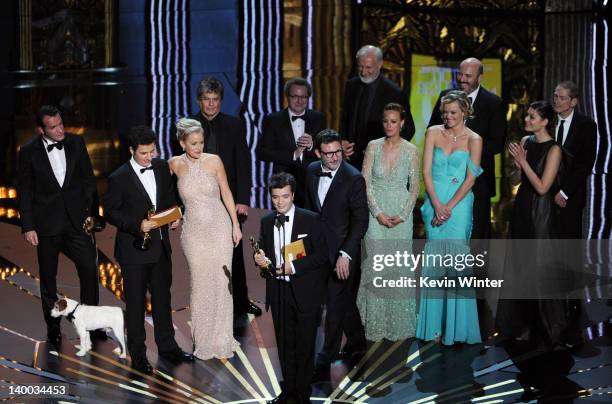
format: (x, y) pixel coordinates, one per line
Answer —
(296, 223)
(137, 182)
(287, 129)
(269, 240)
(314, 189)
(71, 158)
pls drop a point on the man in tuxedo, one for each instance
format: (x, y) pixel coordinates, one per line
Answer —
(489, 121)
(336, 190)
(224, 136)
(287, 139)
(365, 96)
(577, 134)
(141, 185)
(57, 192)
(297, 294)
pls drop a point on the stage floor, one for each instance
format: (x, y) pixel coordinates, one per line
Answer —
(406, 371)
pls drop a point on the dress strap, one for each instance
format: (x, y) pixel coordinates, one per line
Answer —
(475, 170)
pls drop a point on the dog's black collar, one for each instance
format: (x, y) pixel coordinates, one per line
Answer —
(70, 315)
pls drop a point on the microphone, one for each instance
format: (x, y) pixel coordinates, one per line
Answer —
(280, 220)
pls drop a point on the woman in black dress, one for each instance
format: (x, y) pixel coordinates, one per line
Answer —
(537, 162)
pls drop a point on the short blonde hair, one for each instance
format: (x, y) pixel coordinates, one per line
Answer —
(187, 126)
(460, 98)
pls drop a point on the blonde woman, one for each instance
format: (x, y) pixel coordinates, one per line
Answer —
(210, 232)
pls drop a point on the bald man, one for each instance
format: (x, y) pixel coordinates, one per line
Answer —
(489, 122)
(365, 96)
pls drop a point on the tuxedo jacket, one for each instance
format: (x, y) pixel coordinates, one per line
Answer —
(126, 204)
(277, 143)
(42, 202)
(580, 150)
(489, 122)
(234, 153)
(387, 91)
(309, 282)
(345, 211)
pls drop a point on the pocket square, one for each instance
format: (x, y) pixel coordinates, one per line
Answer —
(302, 236)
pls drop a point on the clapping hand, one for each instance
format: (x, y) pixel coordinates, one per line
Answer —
(519, 153)
(347, 148)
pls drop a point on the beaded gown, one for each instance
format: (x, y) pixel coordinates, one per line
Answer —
(207, 243)
(392, 187)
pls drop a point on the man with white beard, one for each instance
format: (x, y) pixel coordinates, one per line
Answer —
(365, 96)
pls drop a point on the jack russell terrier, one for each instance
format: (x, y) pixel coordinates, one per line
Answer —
(88, 318)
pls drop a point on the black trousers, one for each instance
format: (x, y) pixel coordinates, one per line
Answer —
(342, 317)
(296, 333)
(81, 249)
(157, 278)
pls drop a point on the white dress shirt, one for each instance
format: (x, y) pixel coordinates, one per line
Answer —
(325, 183)
(57, 158)
(282, 237)
(298, 126)
(147, 179)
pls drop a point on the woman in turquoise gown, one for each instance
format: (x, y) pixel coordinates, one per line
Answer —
(391, 171)
(451, 163)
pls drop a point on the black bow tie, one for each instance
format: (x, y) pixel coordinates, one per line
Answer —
(296, 117)
(281, 218)
(327, 174)
(59, 145)
(142, 170)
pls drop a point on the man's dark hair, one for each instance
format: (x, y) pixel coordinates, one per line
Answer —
(45, 110)
(210, 85)
(297, 81)
(281, 180)
(326, 136)
(571, 87)
(141, 135)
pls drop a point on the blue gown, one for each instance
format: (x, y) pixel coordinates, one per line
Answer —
(445, 311)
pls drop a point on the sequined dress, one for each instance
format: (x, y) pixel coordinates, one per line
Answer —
(206, 240)
(392, 186)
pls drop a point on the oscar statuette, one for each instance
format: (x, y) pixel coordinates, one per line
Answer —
(144, 243)
(268, 271)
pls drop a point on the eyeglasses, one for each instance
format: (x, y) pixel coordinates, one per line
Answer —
(298, 97)
(331, 153)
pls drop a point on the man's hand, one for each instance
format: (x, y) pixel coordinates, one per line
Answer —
(347, 148)
(305, 141)
(285, 270)
(174, 225)
(242, 209)
(261, 260)
(342, 267)
(31, 237)
(147, 225)
(560, 200)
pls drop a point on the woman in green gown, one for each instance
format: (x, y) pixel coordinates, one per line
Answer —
(391, 171)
